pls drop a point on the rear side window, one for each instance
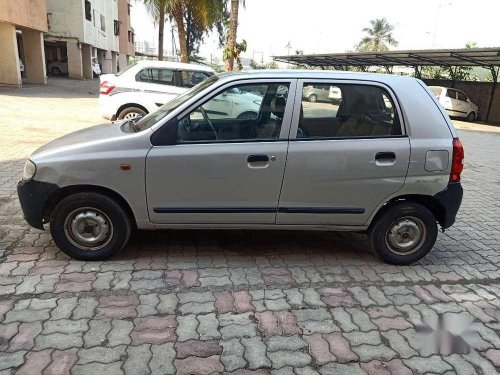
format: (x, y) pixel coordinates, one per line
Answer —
(451, 94)
(349, 111)
(191, 78)
(153, 75)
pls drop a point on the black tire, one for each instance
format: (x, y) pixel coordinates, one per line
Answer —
(471, 117)
(416, 214)
(131, 110)
(119, 219)
(56, 72)
(313, 98)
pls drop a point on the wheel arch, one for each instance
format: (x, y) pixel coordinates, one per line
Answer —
(428, 201)
(66, 191)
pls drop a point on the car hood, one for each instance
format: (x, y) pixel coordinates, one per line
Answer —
(106, 136)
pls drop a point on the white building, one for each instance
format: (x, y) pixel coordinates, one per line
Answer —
(80, 30)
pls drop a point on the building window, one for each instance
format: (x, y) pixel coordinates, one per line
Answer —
(128, 8)
(131, 36)
(103, 23)
(88, 10)
(117, 27)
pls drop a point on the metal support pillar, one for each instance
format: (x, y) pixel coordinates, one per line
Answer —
(494, 73)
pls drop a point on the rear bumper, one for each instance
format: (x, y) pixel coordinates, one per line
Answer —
(33, 195)
(450, 200)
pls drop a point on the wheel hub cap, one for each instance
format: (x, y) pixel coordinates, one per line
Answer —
(406, 235)
(88, 228)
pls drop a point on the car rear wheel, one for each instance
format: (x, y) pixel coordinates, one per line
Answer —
(89, 226)
(471, 117)
(405, 233)
(131, 113)
(56, 72)
(313, 98)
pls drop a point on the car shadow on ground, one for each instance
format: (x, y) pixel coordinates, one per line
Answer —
(256, 243)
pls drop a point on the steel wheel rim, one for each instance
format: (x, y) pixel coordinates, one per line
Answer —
(88, 228)
(406, 235)
(131, 116)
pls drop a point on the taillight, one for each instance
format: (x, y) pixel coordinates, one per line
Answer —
(457, 165)
(106, 88)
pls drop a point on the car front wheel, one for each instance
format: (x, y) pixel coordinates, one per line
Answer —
(405, 233)
(89, 226)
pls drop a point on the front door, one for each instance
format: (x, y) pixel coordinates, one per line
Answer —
(222, 169)
(343, 159)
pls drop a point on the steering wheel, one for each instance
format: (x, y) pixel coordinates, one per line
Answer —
(205, 116)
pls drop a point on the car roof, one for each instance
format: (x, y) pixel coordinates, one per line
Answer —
(312, 74)
(174, 65)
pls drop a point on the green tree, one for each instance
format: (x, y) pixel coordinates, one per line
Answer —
(379, 36)
(201, 13)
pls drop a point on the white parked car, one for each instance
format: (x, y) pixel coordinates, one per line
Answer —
(60, 68)
(334, 94)
(456, 103)
(143, 87)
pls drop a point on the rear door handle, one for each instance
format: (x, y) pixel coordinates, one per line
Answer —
(385, 156)
(257, 158)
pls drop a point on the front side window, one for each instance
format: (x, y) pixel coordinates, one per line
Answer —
(351, 111)
(191, 78)
(159, 76)
(249, 112)
(462, 96)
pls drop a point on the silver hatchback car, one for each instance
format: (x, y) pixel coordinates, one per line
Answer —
(386, 160)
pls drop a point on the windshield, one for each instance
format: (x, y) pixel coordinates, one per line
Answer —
(124, 70)
(153, 118)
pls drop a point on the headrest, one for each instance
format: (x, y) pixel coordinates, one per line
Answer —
(278, 105)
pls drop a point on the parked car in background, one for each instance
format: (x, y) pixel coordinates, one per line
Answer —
(456, 103)
(96, 67)
(348, 167)
(143, 87)
(316, 93)
(334, 94)
(60, 68)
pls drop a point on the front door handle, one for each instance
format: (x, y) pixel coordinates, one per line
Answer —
(257, 158)
(385, 156)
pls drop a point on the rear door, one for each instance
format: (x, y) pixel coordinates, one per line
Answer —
(451, 104)
(343, 159)
(159, 84)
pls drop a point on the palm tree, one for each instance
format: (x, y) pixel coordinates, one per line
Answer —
(158, 10)
(204, 12)
(379, 36)
(231, 50)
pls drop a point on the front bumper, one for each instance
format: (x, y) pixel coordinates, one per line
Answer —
(450, 200)
(33, 196)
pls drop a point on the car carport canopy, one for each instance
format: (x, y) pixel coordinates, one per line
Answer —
(488, 58)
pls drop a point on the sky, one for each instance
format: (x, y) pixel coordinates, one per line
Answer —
(322, 26)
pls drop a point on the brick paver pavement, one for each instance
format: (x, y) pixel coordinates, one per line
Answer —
(197, 302)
